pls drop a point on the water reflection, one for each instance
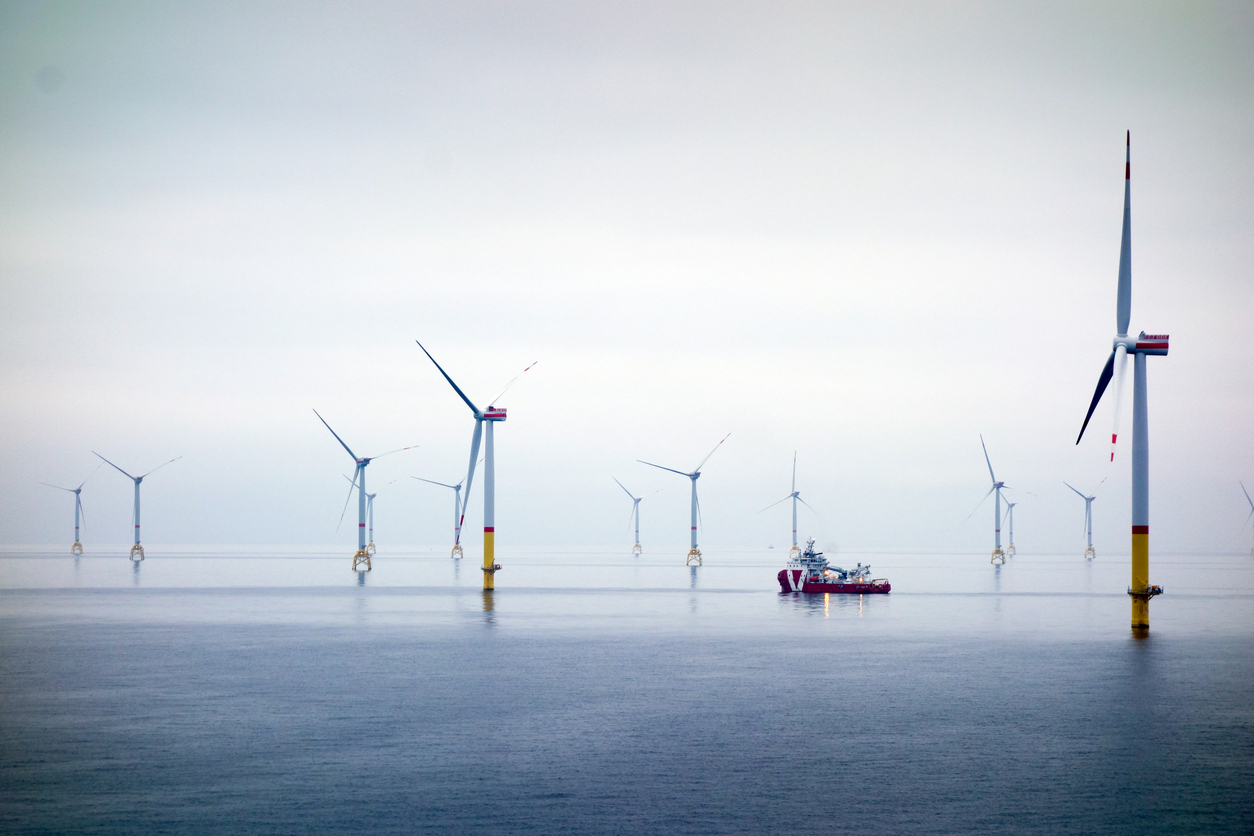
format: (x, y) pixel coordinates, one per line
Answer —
(135, 571)
(489, 607)
(361, 578)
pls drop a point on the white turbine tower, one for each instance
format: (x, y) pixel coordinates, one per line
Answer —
(136, 549)
(795, 496)
(1010, 517)
(999, 556)
(369, 517)
(693, 552)
(77, 547)
(457, 514)
(491, 416)
(635, 514)
(1251, 501)
(1140, 347)
(362, 555)
(1089, 552)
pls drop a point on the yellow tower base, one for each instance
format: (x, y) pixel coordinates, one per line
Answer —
(795, 551)
(77, 548)
(370, 547)
(456, 554)
(490, 566)
(1141, 591)
(1090, 553)
(693, 554)
(361, 557)
(999, 557)
(1010, 550)
(137, 549)
(636, 549)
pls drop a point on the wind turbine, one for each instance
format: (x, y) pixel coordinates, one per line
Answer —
(1089, 553)
(491, 416)
(1139, 347)
(1251, 501)
(370, 518)
(137, 548)
(795, 497)
(693, 553)
(457, 514)
(999, 556)
(635, 514)
(362, 555)
(1010, 517)
(77, 548)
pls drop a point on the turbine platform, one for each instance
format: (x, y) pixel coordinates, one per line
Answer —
(1147, 593)
(370, 547)
(693, 554)
(361, 556)
(1090, 553)
(77, 548)
(1010, 551)
(137, 549)
(999, 557)
(794, 552)
(456, 553)
(637, 550)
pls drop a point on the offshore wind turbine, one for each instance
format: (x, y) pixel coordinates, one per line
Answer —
(693, 552)
(1089, 553)
(362, 555)
(77, 547)
(456, 554)
(635, 514)
(1139, 347)
(1010, 517)
(1251, 501)
(999, 556)
(795, 496)
(491, 416)
(137, 548)
(370, 518)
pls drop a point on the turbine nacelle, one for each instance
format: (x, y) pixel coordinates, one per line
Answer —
(494, 413)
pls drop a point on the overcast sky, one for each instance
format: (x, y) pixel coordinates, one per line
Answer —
(863, 232)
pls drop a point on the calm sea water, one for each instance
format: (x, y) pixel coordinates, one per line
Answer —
(274, 691)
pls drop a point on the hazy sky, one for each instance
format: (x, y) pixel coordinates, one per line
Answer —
(864, 234)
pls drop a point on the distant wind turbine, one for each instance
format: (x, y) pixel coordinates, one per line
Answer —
(77, 548)
(999, 556)
(136, 549)
(362, 555)
(693, 552)
(1010, 517)
(1089, 552)
(635, 514)
(457, 513)
(795, 497)
(1251, 501)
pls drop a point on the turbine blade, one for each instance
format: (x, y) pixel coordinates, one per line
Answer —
(89, 475)
(659, 467)
(158, 467)
(115, 467)
(349, 497)
(976, 508)
(806, 504)
(511, 383)
(1102, 382)
(697, 497)
(1082, 496)
(337, 438)
(986, 461)
(1124, 305)
(620, 484)
(441, 484)
(1119, 370)
(459, 392)
(78, 500)
(697, 469)
(470, 475)
(794, 471)
(58, 487)
(773, 504)
(397, 450)
(1247, 495)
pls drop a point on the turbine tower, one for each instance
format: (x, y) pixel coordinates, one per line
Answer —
(1010, 517)
(456, 554)
(369, 517)
(1251, 501)
(1139, 347)
(362, 555)
(1089, 553)
(999, 556)
(491, 416)
(693, 552)
(77, 547)
(635, 514)
(136, 549)
(795, 496)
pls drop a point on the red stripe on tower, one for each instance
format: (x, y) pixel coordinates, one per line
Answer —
(1140, 529)
(488, 528)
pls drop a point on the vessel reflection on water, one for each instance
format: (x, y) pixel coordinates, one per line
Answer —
(811, 573)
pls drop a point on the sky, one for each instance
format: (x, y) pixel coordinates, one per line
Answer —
(866, 234)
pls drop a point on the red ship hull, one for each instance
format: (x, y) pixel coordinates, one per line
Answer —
(794, 584)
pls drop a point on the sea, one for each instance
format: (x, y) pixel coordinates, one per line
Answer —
(266, 690)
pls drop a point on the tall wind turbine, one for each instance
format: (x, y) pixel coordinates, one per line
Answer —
(795, 496)
(635, 514)
(1089, 553)
(362, 555)
(77, 548)
(457, 514)
(136, 549)
(491, 416)
(693, 552)
(1010, 517)
(1251, 501)
(370, 518)
(999, 556)
(1139, 347)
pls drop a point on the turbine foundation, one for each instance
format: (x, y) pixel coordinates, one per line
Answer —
(1090, 553)
(693, 554)
(794, 552)
(361, 558)
(137, 549)
(370, 547)
(999, 557)
(77, 548)
(636, 549)
(456, 554)
(1010, 550)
